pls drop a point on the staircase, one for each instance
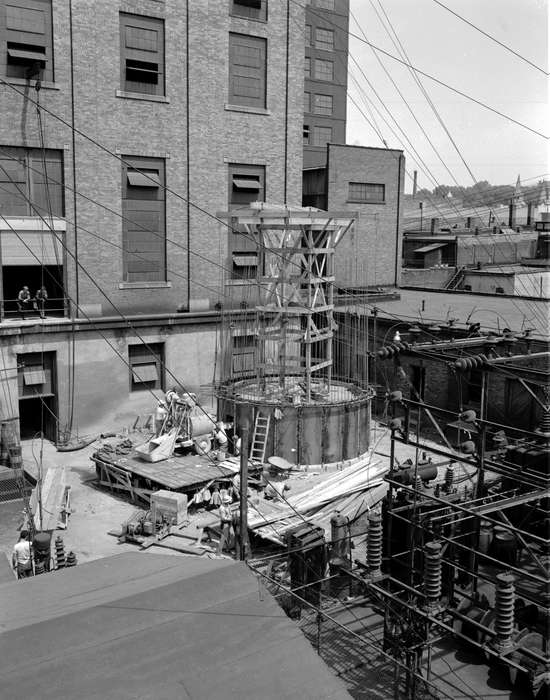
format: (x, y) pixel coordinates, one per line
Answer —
(259, 439)
(456, 279)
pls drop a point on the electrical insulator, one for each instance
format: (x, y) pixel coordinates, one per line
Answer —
(449, 478)
(504, 609)
(432, 573)
(374, 545)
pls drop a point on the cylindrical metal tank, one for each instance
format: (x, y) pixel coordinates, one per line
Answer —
(317, 433)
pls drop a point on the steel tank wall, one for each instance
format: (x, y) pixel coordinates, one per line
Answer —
(319, 434)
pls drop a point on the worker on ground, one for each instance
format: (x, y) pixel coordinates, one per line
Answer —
(24, 301)
(159, 417)
(21, 557)
(226, 523)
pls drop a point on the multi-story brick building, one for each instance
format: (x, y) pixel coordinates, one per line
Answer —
(326, 78)
(155, 115)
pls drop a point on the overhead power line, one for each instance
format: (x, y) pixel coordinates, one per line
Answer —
(492, 38)
(428, 75)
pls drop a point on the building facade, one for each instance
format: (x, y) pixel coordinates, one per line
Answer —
(153, 117)
(326, 78)
(366, 183)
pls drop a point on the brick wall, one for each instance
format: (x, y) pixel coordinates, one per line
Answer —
(369, 255)
(149, 127)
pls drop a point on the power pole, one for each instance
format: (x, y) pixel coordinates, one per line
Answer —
(243, 513)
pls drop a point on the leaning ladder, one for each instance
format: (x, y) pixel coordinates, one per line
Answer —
(259, 439)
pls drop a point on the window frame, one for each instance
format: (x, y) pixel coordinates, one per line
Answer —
(326, 5)
(324, 45)
(323, 61)
(152, 201)
(142, 56)
(314, 135)
(30, 161)
(239, 243)
(147, 354)
(366, 200)
(247, 72)
(316, 109)
(24, 40)
(249, 10)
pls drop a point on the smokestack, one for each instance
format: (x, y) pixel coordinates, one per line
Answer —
(415, 182)
(530, 213)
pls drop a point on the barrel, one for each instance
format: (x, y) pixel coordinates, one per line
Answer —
(41, 547)
(505, 547)
(485, 536)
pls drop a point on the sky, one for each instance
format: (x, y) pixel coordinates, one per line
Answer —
(440, 44)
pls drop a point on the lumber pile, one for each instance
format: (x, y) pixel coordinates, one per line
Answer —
(353, 491)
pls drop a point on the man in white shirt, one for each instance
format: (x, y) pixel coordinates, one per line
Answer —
(21, 557)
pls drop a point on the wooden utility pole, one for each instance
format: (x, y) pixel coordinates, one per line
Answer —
(243, 514)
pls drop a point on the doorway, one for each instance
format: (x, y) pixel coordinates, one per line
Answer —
(36, 379)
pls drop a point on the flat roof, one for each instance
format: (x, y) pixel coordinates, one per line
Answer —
(140, 625)
(493, 311)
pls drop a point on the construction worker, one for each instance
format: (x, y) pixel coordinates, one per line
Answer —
(21, 556)
(160, 416)
(226, 523)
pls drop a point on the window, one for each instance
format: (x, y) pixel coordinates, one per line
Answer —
(306, 134)
(324, 39)
(308, 35)
(366, 192)
(324, 70)
(307, 67)
(247, 70)
(246, 185)
(146, 366)
(23, 177)
(243, 355)
(26, 38)
(322, 104)
(143, 225)
(251, 9)
(307, 102)
(325, 4)
(321, 135)
(142, 54)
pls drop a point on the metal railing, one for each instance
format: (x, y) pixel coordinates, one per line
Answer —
(56, 307)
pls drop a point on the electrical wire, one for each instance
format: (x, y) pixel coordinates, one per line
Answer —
(492, 38)
(327, 20)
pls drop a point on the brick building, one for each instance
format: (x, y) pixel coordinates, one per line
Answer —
(326, 78)
(366, 183)
(155, 116)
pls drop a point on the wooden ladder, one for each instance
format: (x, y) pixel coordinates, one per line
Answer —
(259, 439)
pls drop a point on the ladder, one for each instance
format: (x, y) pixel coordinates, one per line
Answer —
(259, 439)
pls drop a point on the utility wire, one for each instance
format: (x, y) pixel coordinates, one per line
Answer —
(426, 75)
(425, 93)
(492, 38)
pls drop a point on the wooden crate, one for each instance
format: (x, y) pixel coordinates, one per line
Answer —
(169, 505)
